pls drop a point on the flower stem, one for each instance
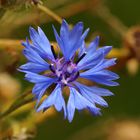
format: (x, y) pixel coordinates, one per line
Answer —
(49, 12)
(19, 102)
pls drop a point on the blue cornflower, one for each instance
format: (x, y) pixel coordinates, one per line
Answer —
(45, 68)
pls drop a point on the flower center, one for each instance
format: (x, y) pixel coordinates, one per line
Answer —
(65, 71)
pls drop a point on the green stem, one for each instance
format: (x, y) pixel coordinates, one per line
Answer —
(49, 12)
(19, 102)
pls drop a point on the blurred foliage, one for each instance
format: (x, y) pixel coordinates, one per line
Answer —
(15, 18)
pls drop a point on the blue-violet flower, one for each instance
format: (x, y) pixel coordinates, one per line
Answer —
(46, 67)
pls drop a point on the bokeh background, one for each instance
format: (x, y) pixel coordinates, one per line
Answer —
(121, 121)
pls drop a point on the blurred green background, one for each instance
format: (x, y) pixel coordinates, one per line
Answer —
(123, 107)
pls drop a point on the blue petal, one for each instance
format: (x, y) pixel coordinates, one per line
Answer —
(36, 78)
(105, 63)
(93, 97)
(108, 75)
(58, 39)
(27, 43)
(34, 67)
(91, 48)
(95, 90)
(106, 49)
(93, 45)
(64, 31)
(39, 89)
(56, 99)
(63, 40)
(93, 56)
(90, 60)
(70, 40)
(33, 56)
(76, 32)
(82, 50)
(77, 101)
(79, 44)
(95, 112)
(71, 108)
(100, 73)
(101, 76)
(42, 83)
(41, 42)
(101, 80)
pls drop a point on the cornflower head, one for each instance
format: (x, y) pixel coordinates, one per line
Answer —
(45, 67)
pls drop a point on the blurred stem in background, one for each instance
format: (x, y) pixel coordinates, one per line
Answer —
(46, 10)
(19, 102)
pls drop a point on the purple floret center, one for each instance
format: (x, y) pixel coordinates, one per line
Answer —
(65, 71)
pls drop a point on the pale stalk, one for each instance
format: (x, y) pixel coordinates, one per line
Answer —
(49, 12)
(19, 102)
